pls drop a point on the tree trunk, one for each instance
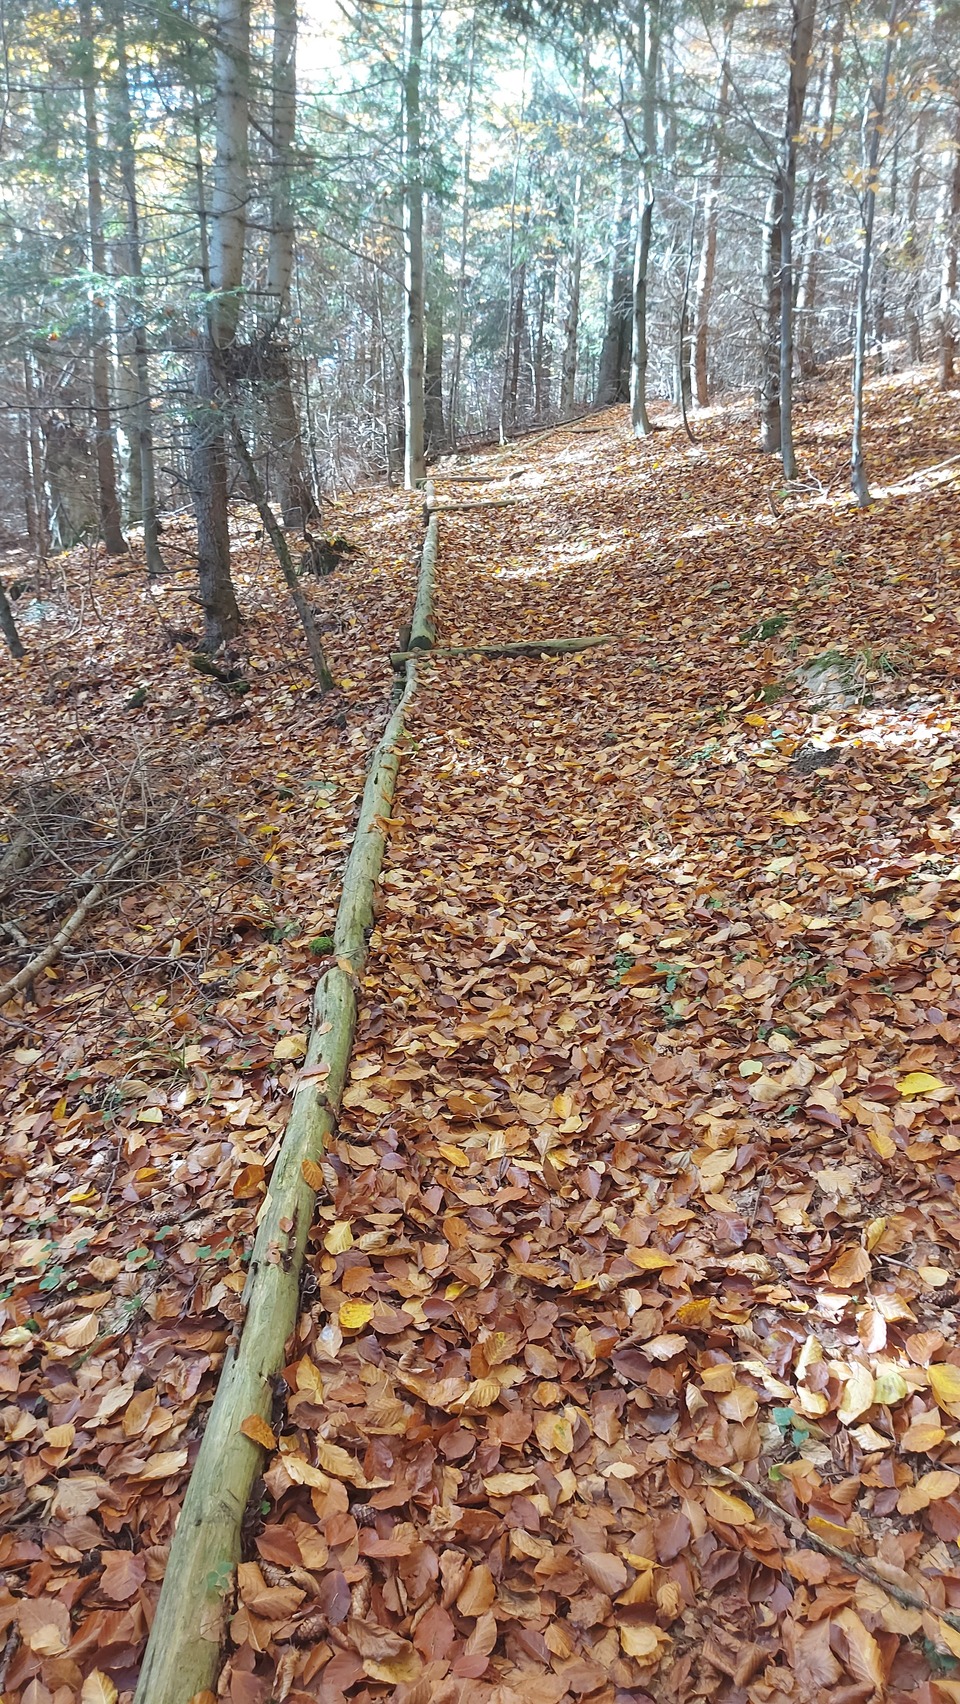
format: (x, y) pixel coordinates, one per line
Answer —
(66, 463)
(801, 43)
(770, 338)
(948, 276)
(297, 502)
(209, 472)
(706, 271)
(505, 386)
(35, 458)
(819, 197)
(542, 356)
(414, 407)
(143, 450)
(110, 527)
(638, 376)
(571, 328)
(434, 429)
(8, 626)
(874, 130)
(613, 383)
(912, 252)
(466, 167)
(516, 345)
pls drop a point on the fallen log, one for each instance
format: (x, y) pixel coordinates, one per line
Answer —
(514, 648)
(422, 629)
(480, 503)
(183, 1652)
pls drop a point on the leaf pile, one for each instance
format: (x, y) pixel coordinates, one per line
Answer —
(636, 1259)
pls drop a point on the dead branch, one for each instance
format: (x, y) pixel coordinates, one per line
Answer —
(41, 961)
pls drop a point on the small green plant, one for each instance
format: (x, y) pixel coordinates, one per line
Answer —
(767, 628)
(321, 944)
(774, 691)
(622, 962)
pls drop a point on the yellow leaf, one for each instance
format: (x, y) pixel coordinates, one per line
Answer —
(256, 1429)
(733, 1511)
(945, 1384)
(339, 1462)
(508, 1484)
(950, 1636)
(882, 1144)
(290, 1047)
(890, 1388)
(312, 1174)
(453, 1155)
(150, 1115)
(864, 1660)
(644, 1642)
(858, 1394)
(353, 1316)
(339, 1238)
(650, 1259)
(919, 1083)
(98, 1688)
(554, 1432)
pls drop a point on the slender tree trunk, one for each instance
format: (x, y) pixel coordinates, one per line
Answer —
(434, 428)
(819, 196)
(8, 626)
(35, 463)
(801, 43)
(707, 269)
(110, 526)
(542, 358)
(415, 466)
(638, 376)
(297, 502)
(948, 275)
(874, 128)
(466, 167)
(209, 471)
(770, 335)
(912, 252)
(571, 329)
(505, 387)
(135, 306)
(613, 383)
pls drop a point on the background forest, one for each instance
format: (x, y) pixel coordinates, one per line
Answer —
(232, 262)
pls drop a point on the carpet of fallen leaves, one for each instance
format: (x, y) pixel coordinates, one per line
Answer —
(638, 1265)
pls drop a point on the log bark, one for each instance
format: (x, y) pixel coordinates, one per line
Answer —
(514, 648)
(480, 503)
(184, 1648)
(422, 629)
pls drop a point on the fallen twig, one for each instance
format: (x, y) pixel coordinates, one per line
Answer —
(901, 1594)
(42, 960)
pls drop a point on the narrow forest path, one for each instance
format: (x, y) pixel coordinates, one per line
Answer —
(645, 1176)
(636, 1265)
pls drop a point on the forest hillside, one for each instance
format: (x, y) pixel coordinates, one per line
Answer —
(623, 1360)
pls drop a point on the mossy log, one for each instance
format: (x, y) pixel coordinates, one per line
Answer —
(184, 1649)
(515, 648)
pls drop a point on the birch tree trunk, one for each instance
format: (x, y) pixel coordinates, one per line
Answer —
(435, 434)
(297, 502)
(134, 306)
(227, 222)
(912, 250)
(948, 276)
(770, 339)
(414, 460)
(801, 43)
(638, 375)
(874, 128)
(707, 268)
(109, 502)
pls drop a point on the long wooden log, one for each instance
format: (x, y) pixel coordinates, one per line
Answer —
(515, 648)
(183, 1653)
(422, 630)
(479, 503)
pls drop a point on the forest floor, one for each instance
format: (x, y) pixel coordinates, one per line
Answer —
(627, 1364)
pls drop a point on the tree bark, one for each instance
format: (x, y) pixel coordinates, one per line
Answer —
(435, 434)
(707, 268)
(613, 379)
(8, 626)
(874, 130)
(298, 505)
(466, 167)
(35, 456)
(209, 471)
(820, 190)
(414, 405)
(135, 306)
(948, 276)
(638, 375)
(912, 251)
(110, 527)
(770, 336)
(801, 43)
